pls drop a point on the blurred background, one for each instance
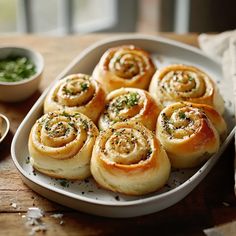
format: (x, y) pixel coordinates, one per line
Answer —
(60, 17)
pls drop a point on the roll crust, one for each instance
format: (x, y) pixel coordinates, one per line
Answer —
(124, 66)
(175, 83)
(76, 93)
(129, 104)
(128, 158)
(60, 145)
(190, 133)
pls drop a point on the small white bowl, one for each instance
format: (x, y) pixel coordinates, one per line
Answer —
(20, 90)
(4, 127)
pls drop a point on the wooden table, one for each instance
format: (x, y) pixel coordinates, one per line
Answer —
(211, 203)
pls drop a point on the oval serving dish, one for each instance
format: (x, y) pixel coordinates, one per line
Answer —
(85, 195)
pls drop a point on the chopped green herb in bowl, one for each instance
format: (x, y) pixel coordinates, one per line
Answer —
(16, 69)
(20, 73)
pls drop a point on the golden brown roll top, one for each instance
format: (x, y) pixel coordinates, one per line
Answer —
(129, 104)
(190, 133)
(76, 93)
(175, 83)
(128, 158)
(124, 66)
(60, 145)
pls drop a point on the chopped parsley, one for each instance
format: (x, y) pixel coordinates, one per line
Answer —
(117, 133)
(65, 114)
(71, 124)
(27, 160)
(85, 125)
(15, 69)
(84, 86)
(164, 116)
(64, 183)
(166, 123)
(67, 91)
(129, 100)
(149, 152)
(133, 99)
(58, 130)
(182, 115)
(168, 129)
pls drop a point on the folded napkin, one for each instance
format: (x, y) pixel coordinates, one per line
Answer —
(228, 229)
(222, 47)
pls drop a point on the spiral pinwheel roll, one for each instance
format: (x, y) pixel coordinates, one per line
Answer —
(129, 104)
(128, 158)
(60, 145)
(124, 66)
(175, 83)
(76, 93)
(190, 133)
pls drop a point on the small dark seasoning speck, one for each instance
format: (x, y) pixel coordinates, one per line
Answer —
(64, 183)
(27, 160)
(117, 198)
(167, 186)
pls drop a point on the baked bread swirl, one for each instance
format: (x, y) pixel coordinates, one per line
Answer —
(190, 133)
(76, 93)
(129, 104)
(175, 83)
(128, 158)
(124, 66)
(60, 144)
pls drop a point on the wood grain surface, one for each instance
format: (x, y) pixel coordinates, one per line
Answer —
(211, 203)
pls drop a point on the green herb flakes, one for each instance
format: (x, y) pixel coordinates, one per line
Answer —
(67, 91)
(85, 125)
(84, 86)
(15, 69)
(65, 114)
(128, 100)
(133, 99)
(64, 183)
(182, 115)
(27, 161)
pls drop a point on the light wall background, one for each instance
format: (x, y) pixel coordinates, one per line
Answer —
(59, 17)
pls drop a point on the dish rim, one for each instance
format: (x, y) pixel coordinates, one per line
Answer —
(7, 127)
(143, 198)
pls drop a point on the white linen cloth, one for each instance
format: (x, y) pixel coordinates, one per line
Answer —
(223, 47)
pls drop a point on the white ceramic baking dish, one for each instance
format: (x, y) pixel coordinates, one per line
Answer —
(85, 195)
